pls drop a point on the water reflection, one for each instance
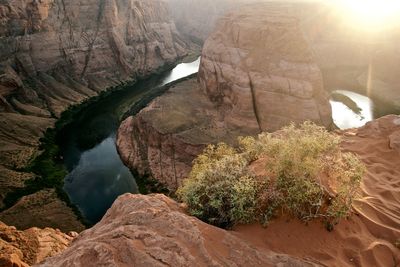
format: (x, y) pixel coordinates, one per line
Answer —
(345, 118)
(182, 70)
(97, 175)
(98, 179)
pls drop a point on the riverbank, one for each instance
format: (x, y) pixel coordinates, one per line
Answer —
(47, 164)
(386, 99)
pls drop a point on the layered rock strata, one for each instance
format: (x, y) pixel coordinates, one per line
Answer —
(152, 230)
(355, 57)
(55, 53)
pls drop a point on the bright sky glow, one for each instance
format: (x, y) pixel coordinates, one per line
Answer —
(370, 14)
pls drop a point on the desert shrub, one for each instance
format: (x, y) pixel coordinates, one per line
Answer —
(219, 189)
(348, 172)
(305, 175)
(313, 178)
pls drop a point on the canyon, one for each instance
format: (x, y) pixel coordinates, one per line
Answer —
(247, 66)
(54, 54)
(262, 67)
(154, 230)
(250, 63)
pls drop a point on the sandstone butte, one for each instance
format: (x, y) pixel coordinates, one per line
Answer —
(54, 54)
(257, 73)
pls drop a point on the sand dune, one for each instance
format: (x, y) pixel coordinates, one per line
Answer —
(368, 238)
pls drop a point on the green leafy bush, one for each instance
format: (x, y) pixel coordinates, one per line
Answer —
(305, 174)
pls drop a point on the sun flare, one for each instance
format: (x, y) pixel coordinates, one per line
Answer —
(371, 14)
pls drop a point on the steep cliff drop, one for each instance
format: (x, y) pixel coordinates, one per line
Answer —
(56, 53)
(257, 74)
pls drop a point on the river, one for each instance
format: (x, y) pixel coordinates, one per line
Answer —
(97, 175)
(346, 118)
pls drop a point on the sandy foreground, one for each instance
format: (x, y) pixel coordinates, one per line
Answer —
(370, 235)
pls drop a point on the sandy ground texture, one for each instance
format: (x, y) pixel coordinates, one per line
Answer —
(370, 237)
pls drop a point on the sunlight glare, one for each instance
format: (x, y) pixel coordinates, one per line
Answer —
(371, 14)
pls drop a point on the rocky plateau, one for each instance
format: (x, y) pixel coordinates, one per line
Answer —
(153, 230)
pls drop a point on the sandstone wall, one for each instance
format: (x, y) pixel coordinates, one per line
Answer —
(197, 19)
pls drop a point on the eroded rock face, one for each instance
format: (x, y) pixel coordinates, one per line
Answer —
(55, 53)
(25, 248)
(152, 230)
(350, 57)
(258, 68)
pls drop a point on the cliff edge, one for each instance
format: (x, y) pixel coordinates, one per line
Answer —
(152, 230)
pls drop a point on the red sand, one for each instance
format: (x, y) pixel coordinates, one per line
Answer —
(367, 238)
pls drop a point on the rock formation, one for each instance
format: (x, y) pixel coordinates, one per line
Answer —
(25, 248)
(258, 68)
(152, 230)
(166, 136)
(257, 74)
(349, 57)
(55, 53)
